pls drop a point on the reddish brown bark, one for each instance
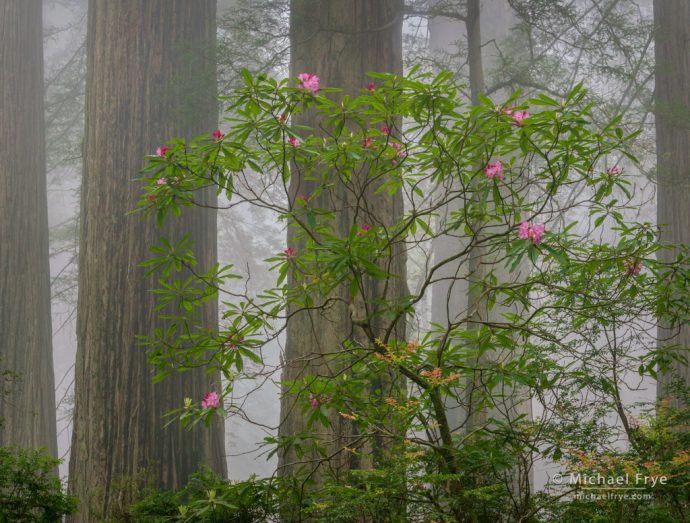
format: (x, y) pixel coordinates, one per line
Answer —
(150, 78)
(28, 409)
(340, 41)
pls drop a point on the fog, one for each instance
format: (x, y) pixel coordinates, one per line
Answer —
(524, 48)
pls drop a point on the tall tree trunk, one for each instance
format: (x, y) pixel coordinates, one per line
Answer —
(28, 411)
(150, 78)
(461, 294)
(672, 20)
(340, 41)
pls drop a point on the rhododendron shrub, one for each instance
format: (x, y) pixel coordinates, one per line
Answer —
(531, 197)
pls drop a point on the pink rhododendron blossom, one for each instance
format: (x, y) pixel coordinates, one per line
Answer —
(315, 400)
(531, 232)
(536, 232)
(494, 170)
(162, 151)
(293, 141)
(519, 117)
(385, 130)
(217, 135)
(523, 231)
(632, 266)
(402, 153)
(614, 170)
(211, 401)
(161, 181)
(310, 82)
(366, 143)
(365, 228)
(371, 87)
(290, 252)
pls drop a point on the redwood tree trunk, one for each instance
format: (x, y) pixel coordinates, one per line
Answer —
(672, 20)
(150, 78)
(340, 41)
(28, 410)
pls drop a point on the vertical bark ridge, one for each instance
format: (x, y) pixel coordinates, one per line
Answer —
(340, 41)
(28, 410)
(150, 78)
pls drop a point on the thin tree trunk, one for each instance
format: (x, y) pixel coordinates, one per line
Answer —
(672, 20)
(28, 410)
(340, 41)
(150, 78)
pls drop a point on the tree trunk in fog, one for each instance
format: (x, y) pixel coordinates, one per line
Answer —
(672, 21)
(461, 293)
(28, 411)
(340, 41)
(150, 78)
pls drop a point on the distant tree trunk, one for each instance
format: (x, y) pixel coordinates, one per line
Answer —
(461, 293)
(150, 78)
(28, 411)
(340, 41)
(672, 21)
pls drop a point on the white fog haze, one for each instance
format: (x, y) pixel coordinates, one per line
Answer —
(345, 260)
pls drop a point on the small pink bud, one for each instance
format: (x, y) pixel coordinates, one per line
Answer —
(632, 266)
(162, 151)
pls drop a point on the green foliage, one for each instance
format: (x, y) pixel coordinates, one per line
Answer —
(209, 498)
(30, 490)
(558, 319)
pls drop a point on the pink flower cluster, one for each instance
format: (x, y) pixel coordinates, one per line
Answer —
(494, 170)
(211, 401)
(632, 266)
(310, 82)
(402, 153)
(290, 252)
(294, 142)
(217, 135)
(614, 170)
(517, 116)
(162, 151)
(366, 227)
(531, 232)
(315, 401)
